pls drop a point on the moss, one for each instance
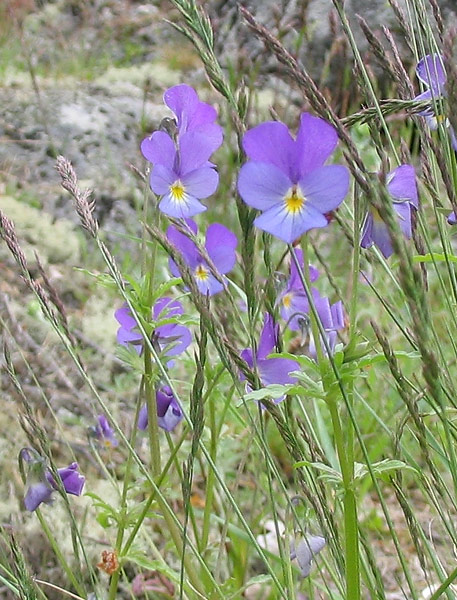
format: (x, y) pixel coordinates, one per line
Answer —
(55, 241)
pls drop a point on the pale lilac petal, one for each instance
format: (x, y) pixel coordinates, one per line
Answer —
(326, 187)
(36, 494)
(305, 552)
(295, 280)
(452, 219)
(126, 336)
(276, 370)
(247, 356)
(186, 246)
(322, 305)
(209, 286)
(201, 182)
(403, 211)
(402, 184)
(159, 149)
(182, 100)
(220, 245)
(268, 337)
(381, 237)
(262, 185)
(182, 209)
(453, 138)
(161, 179)
(143, 418)
(430, 70)
(194, 151)
(166, 307)
(337, 315)
(173, 338)
(316, 140)
(294, 311)
(427, 95)
(124, 317)
(289, 226)
(271, 143)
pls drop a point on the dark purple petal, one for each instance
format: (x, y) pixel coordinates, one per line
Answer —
(289, 226)
(72, 480)
(161, 179)
(276, 370)
(36, 494)
(452, 219)
(143, 418)
(186, 246)
(262, 185)
(316, 140)
(105, 433)
(326, 187)
(159, 149)
(201, 182)
(430, 70)
(220, 244)
(401, 183)
(366, 240)
(268, 337)
(169, 411)
(271, 143)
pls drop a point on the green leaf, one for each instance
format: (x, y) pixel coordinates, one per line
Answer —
(273, 392)
(434, 257)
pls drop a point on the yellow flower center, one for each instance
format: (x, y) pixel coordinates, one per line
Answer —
(376, 216)
(287, 300)
(201, 273)
(178, 191)
(294, 200)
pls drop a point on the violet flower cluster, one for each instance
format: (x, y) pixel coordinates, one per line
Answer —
(220, 244)
(170, 339)
(182, 174)
(402, 187)
(286, 178)
(41, 484)
(295, 308)
(270, 370)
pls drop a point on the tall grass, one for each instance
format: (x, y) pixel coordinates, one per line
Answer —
(362, 450)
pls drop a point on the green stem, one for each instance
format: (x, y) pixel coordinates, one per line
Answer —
(60, 557)
(211, 476)
(153, 421)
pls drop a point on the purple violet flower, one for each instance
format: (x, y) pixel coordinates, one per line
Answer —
(401, 185)
(182, 173)
(169, 411)
(293, 300)
(286, 178)
(105, 433)
(41, 484)
(270, 370)
(332, 318)
(220, 244)
(171, 338)
(306, 551)
(430, 70)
